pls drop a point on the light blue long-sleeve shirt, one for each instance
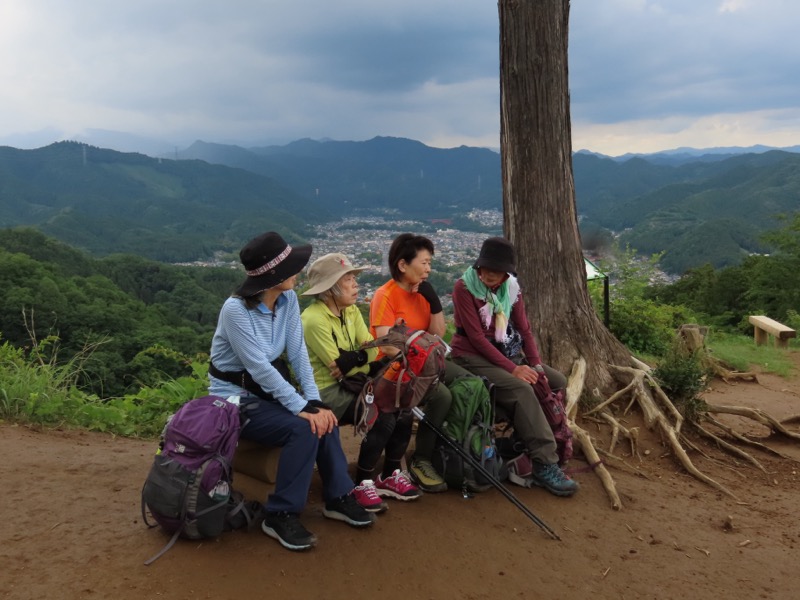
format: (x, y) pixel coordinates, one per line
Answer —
(252, 339)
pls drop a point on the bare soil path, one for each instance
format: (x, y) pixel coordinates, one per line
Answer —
(71, 528)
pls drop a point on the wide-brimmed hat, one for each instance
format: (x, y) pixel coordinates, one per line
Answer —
(268, 261)
(327, 270)
(497, 254)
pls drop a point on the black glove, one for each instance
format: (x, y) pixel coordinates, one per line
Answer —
(313, 406)
(427, 292)
(349, 359)
(376, 365)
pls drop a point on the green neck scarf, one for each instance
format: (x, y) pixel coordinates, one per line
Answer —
(499, 302)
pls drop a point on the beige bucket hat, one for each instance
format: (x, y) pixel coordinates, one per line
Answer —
(327, 270)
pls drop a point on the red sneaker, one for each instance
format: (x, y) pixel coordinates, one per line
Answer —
(398, 486)
(367, 497)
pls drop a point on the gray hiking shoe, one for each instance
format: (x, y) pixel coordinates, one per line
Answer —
(288, 530)
(553, 479)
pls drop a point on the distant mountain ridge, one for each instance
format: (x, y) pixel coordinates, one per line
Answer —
(684, 154)
(378, 174)
(695, 212)
(216, 195)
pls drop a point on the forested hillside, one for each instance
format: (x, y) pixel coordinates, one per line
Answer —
(696, 213)
(141, 318)
(104, 202)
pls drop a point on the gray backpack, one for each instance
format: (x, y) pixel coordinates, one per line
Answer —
(188, 489)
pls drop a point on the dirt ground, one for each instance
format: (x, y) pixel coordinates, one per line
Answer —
(71, 528)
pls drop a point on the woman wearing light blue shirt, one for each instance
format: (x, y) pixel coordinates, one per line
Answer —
(258, 324)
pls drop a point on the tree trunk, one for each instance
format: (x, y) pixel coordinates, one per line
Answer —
(540, 215)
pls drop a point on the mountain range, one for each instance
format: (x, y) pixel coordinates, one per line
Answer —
(694, 207)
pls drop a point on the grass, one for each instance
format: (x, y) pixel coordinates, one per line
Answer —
(45, 393)
(742, 353)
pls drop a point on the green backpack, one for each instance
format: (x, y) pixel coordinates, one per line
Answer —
(470, 423)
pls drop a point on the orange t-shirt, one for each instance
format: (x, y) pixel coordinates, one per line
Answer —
(391, 302)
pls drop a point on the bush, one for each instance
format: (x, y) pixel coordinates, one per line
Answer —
(44, 392)
(682, 376)
(644, 326)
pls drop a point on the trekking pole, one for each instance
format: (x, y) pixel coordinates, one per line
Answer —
(482, 470)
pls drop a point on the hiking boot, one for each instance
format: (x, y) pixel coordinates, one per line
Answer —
(288, 530)
(426, 477)
(347, 509)
(397, 486)
(520, 470)
(367, 497)
(553, 479)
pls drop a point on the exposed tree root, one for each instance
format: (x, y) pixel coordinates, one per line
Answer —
(755, 414)
(662, 416)
(618, 462)
(655, 419)
(744, 439)
(582, 438)
(730, 448)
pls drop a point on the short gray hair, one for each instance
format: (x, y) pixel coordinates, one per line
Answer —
(332, 292)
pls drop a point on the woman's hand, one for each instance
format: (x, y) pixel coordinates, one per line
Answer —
(321, 422)
(336, 373)
(425, 289)
(526, 373)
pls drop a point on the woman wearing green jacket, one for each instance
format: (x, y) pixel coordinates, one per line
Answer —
(334, 331)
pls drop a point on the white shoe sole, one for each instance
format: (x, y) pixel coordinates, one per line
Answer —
(375, 510)
(296, 548)
(390, 494)
(337, 516)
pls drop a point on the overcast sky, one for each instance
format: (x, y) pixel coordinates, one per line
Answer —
(644, 75)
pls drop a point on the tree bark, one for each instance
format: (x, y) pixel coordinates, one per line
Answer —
(540, 213)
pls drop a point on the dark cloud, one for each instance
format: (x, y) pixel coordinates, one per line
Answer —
(263, 70)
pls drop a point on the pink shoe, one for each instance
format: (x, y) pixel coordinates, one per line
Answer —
(367, 497)
(398, 486)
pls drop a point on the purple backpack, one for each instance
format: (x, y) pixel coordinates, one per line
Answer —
(188, 489)
(554, 409)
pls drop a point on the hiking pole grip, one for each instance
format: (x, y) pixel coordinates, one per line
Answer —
(417, 412)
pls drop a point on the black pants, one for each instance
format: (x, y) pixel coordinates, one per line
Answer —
(390, 433)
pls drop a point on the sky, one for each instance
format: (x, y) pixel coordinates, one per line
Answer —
(645, 75)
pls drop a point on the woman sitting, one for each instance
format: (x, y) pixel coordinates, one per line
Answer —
(334, 332)
(256, 326)
(410, 297)
(493, 339)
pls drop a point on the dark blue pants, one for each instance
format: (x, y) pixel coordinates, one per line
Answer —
(272, 425)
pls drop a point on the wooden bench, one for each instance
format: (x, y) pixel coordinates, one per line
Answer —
(764, 327)
(256, 460)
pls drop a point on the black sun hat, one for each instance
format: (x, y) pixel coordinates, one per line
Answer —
(268, 261)
(497, 254)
